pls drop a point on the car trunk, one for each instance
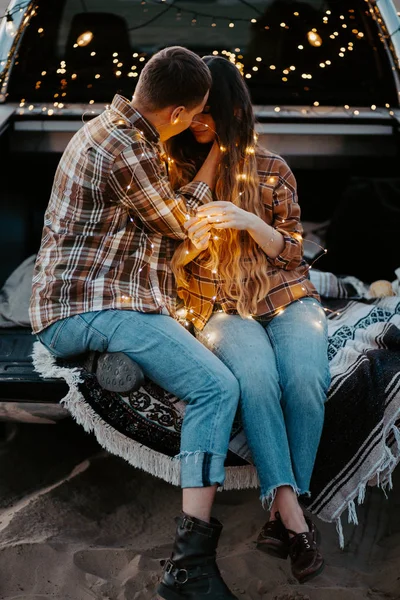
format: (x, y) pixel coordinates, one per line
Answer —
(345, 156)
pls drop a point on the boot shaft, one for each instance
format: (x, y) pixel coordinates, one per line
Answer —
(192, 572)
(195, 539)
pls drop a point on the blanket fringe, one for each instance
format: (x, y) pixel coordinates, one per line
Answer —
(352, 513)
(136, 454)
(382, 478)
(339, 530)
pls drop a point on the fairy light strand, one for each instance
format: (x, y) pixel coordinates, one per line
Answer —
(289, 71)
(181, 314)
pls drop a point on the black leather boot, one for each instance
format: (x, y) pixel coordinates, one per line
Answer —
(192, 572)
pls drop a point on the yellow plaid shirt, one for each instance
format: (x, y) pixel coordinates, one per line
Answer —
(288, 272)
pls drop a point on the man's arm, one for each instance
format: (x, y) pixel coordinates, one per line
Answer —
(139, 181)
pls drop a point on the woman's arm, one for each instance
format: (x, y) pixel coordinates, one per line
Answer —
(282, 241)
(225, 215)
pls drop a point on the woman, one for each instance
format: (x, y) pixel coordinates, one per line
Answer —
(245, 287)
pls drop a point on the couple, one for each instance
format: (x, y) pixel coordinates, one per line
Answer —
(170, 192)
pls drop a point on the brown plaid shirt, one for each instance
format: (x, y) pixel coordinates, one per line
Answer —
(288, 272)
(112, 222)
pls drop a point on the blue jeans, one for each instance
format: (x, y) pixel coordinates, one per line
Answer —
(282, 368)
(171, 357)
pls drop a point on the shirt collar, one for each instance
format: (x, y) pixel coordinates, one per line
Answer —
(124, 108)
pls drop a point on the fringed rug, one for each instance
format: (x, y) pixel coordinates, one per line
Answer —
(360, 442)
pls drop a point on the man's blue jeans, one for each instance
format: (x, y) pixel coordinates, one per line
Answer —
(282, 368)
(171, 357)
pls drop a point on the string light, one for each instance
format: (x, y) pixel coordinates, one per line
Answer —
(314, 39)
(84, 39)
(10, 25)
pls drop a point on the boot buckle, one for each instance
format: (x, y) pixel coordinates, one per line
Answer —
(187, 524)
(176, 573)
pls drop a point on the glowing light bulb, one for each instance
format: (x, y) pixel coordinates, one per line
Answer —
(314, 39)
(10, 26)
(84, 39)
(181, 313)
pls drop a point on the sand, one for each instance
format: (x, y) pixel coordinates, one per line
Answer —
(78, 523)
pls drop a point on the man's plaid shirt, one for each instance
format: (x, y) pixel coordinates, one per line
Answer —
(112, 222)
(288, 272)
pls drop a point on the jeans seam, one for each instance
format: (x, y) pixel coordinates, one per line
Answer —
(90, 327)
(215, 347)
(57, 334)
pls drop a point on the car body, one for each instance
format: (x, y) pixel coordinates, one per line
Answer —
(324, 79)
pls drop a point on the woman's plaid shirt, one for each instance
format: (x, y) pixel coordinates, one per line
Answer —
(112, 223)
(288, 272)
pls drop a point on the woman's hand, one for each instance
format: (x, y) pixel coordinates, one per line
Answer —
(225, 215)
(198, 231)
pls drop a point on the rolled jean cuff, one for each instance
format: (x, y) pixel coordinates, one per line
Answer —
(201, 469)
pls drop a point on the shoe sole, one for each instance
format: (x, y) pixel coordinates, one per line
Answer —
(312, 575)
(116, 372)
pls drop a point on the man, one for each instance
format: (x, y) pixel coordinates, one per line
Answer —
(102, 282)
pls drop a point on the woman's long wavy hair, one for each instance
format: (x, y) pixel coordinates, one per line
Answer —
(241, 265)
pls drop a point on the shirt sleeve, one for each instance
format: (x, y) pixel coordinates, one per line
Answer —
(139, 181)
(286, 215)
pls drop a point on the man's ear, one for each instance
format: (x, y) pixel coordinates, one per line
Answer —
(176, 113)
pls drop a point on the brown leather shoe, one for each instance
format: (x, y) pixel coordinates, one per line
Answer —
(306, 559)
(274, 538)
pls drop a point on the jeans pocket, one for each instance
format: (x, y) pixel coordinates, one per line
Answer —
(72, 336)
(49, 336)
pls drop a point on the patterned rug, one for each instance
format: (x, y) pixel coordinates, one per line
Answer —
(360, 443)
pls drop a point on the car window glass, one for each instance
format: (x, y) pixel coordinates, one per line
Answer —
(292, 53)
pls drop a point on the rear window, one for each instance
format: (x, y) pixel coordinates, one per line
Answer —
(307, 52)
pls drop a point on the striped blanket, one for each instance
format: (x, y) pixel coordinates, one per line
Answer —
(360, 443)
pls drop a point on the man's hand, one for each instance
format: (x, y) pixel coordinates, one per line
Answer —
(225, 215)
(198, 230)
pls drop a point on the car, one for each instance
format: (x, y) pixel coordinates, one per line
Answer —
(324, 80)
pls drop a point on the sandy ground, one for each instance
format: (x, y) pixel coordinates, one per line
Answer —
(77, 523)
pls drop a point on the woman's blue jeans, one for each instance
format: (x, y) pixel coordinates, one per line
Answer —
(282, 368)
(171, 357)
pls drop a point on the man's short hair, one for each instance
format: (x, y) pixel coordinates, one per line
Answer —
(174, 76)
